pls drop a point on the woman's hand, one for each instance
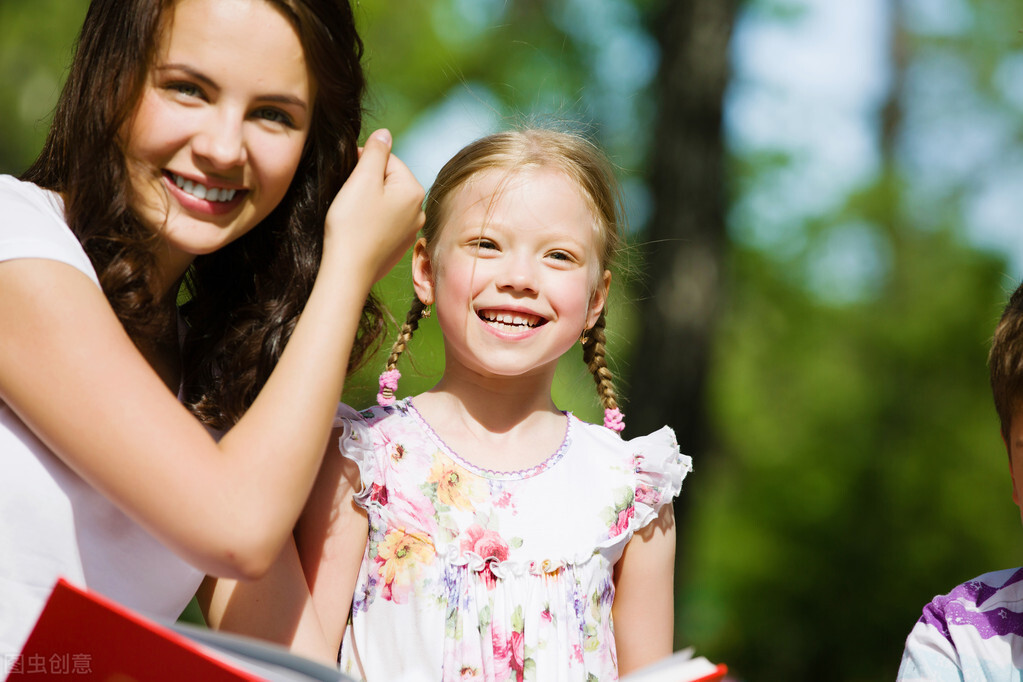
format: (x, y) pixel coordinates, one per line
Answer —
(374, 219)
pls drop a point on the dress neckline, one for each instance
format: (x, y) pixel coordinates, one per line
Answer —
(483, 472)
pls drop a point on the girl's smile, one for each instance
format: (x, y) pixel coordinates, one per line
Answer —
(510, 321)
(515, 272)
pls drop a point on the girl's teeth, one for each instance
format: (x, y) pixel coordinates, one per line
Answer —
(200, 191)
(509, 319)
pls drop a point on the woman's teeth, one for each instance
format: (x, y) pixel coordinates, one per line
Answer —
(510, 319)
(202, 191)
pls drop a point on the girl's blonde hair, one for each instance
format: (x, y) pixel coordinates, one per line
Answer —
(513, 151)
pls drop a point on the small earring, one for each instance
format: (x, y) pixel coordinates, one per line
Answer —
(426, 312)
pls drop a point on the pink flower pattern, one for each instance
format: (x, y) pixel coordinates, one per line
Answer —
(622, 523)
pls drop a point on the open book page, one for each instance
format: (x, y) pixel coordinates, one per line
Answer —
(270, 661)
(681, 666)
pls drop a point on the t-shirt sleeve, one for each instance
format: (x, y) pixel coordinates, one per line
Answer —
(32, 226)
(660, 468)
(929, 656)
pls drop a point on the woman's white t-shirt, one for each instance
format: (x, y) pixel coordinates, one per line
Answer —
(52, 523)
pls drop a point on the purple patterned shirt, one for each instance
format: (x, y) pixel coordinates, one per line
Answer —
(975, 632)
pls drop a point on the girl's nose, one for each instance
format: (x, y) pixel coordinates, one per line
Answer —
(221, 141)
(519, 274)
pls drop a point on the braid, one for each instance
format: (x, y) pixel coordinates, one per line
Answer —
(594, 357)
(594, 343)
(390, 376)
(415, 314)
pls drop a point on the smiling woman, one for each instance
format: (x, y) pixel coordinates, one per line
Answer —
(226, 110)
(210, 143)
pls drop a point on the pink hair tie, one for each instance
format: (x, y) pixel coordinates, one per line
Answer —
(614, 419)
(388, 385)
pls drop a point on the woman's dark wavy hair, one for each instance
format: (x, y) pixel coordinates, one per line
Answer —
(243, 300)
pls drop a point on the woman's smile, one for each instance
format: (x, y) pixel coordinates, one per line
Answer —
(201, 198)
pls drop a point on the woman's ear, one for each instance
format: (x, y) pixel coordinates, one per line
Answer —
(599, 299)
(422, 272)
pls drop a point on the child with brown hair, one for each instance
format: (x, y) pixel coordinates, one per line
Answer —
(975, 632)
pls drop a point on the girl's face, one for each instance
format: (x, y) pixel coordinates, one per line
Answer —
(220, 127)
(515, 273)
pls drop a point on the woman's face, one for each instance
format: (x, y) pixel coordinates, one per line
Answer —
(219, 130)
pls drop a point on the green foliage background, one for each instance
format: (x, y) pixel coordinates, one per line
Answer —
(857, 468)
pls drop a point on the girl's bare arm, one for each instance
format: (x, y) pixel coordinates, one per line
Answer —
(644, 605)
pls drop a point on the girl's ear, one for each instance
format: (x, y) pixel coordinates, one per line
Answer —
(422, 272)
(598, 299)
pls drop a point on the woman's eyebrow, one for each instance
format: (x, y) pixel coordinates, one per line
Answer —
(209, 82)
(198, 75)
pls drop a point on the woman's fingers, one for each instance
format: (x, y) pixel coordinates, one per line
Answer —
(378, 211)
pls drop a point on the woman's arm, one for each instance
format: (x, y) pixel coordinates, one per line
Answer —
(72, 375)
(644, 605)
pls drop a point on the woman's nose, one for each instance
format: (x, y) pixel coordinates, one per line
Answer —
(221, 140)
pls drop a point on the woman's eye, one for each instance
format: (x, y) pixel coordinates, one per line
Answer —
(560, 255)
(484, 244)
(276, 116)
(186, 89)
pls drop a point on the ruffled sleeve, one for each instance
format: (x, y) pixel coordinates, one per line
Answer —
(660, 469)
(356, 443)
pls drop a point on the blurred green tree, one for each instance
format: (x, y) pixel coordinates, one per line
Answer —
(36, 39)
(858, 469)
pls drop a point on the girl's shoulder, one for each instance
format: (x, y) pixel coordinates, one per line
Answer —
(374, 427)
(660, 446)
(654, 461)
(379, 416)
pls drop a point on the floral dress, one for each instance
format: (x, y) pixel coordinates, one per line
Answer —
(472, 574)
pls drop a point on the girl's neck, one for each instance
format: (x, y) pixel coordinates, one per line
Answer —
(505, 427)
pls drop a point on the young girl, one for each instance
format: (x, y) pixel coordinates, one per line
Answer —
(204, 141)
(504, 535)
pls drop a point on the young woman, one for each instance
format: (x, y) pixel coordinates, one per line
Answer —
(203, 141)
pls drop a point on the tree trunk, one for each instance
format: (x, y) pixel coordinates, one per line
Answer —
(685, 242)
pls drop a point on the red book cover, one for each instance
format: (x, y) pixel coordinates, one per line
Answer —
(83, 635)
(718, 674)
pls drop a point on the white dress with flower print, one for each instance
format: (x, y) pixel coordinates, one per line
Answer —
(472, 574)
